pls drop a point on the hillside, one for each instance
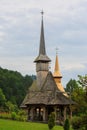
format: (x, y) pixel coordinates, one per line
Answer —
(14, 85)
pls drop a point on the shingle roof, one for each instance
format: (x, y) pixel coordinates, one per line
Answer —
(42, 58)
(48, 95)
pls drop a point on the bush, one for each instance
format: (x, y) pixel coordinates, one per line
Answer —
(66, 125)
(84, 122)
(5, 115)
(21, 116)
(13, 116)
(51, 121)
(22, 113)
(76, 123)
(79, 123)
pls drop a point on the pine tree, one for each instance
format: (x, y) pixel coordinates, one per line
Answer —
(66, 125)
(51, 121)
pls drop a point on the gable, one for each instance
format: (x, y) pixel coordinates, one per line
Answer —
(49, 83)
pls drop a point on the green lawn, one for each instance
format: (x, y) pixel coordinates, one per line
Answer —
(15, 125)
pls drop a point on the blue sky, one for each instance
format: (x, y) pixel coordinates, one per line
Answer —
(65, 27)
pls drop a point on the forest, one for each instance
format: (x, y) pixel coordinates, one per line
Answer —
(13, 88)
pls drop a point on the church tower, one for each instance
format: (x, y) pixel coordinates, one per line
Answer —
(42, 61)
(57, 75)
(46, 94)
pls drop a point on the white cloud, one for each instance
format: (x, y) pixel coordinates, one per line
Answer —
(24, 65)
(65, 27)
(2, 35)
(70, 34)
(73, 66)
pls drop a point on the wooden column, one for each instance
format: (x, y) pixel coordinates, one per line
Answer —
(64, 113)
(32, 114)
(55, 113)
(44, 114)
(28, 114)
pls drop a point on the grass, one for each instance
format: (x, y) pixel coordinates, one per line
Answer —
(16, 125)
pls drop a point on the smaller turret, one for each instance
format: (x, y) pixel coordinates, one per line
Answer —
(57, 75)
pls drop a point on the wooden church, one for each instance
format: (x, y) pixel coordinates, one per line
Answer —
(46, 94)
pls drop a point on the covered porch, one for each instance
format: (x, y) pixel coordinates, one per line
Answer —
(42, 112)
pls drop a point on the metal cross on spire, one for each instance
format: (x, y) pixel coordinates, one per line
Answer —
(42, 13)
(57, 51)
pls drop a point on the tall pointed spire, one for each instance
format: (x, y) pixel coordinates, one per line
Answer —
(42, 49)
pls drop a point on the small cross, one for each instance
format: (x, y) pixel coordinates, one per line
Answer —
(57, 50)
(42, 13)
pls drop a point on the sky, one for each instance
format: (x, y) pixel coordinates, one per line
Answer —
(65, 28)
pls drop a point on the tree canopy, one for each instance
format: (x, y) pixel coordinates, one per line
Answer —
(13, 86)
(78, 90)
(2, 98)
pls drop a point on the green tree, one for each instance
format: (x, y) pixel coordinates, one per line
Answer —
(78, 94)
(11, 107)
(83, 82)
(66, 125)
(71, 86)
(2, 98)
(79, 122)
(51, 121)
(14, 85)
